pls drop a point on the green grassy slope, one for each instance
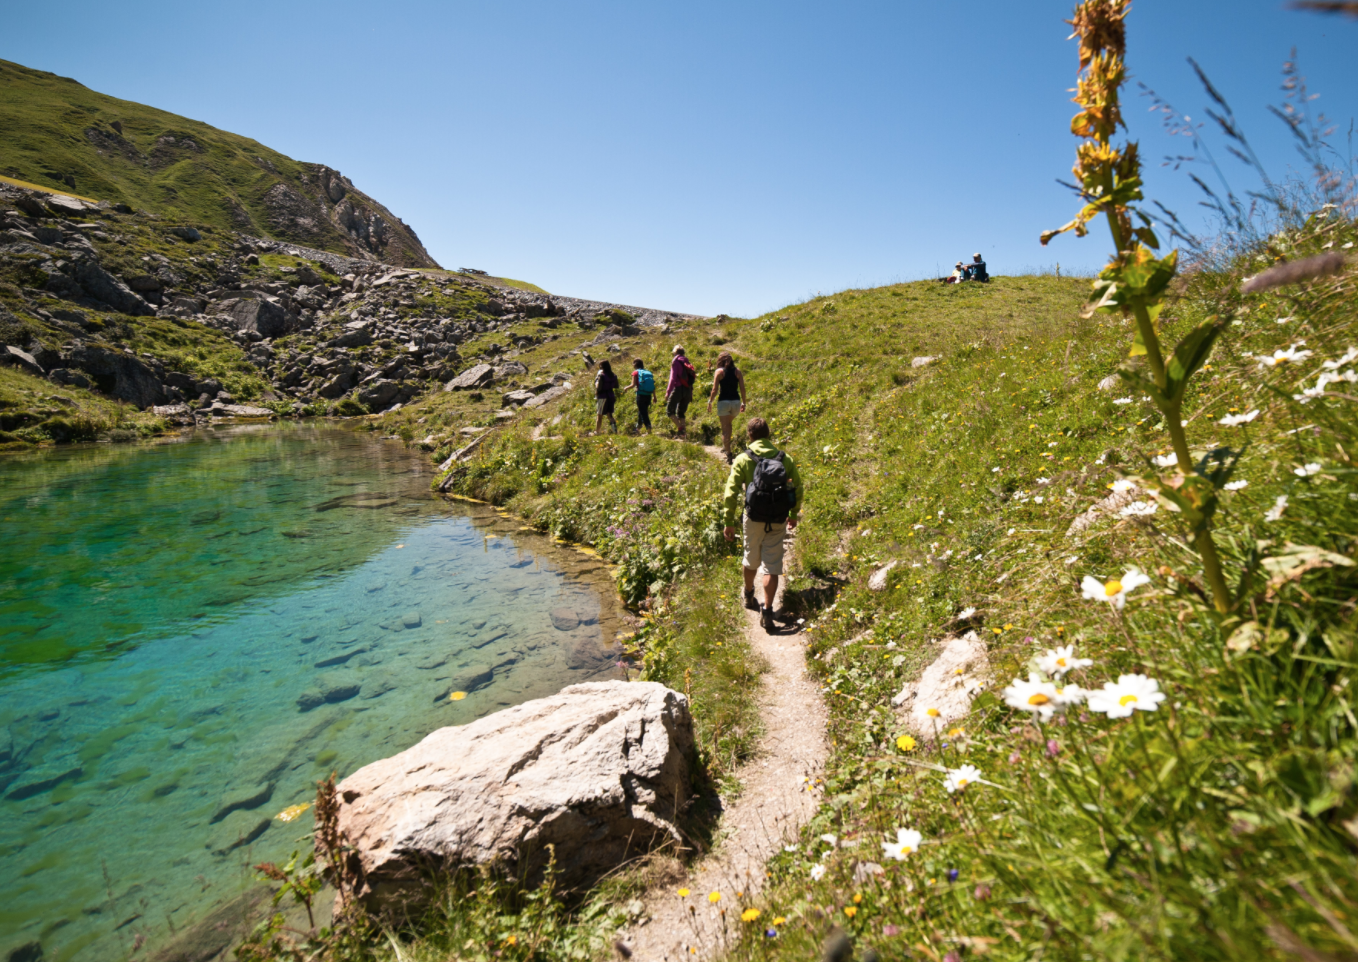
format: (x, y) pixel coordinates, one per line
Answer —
(1221, 824)
(63, 136)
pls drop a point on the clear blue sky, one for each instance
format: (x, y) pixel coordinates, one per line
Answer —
(696, 156)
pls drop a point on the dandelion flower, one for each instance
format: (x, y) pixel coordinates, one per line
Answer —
(714, 897)
(511, 940)
(1139, 509)
(1275, 513)
(1058, 661)
(780, 920)
(932, 712)
(1306, 470)
(851, 910)
(1236, 485)
(292, 811)
(907, 843)
(905, 743)
(1235, 420)
(1130, 693)
(817, 872)
(959, 778)
(1121, 485)
(1165, 460)
(749, 915)
(1033, 695)
(1114, 592)
(683, 893)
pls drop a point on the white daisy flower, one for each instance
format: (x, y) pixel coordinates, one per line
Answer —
(1350, 355)
(1306, 470)
(1058, 661)
(1115, 591)
(965, 613)
(1033, 695)
(1071, 695)
(1131, 693)
(1139, 509)
(1165, 460)
(817, 872)
(1235, 420)
(1275, 513)
(1289, 356)
(959, 778)
(1122, 400)
(1121, 485)
(829, 840)
(907, 843)
(1236, 485)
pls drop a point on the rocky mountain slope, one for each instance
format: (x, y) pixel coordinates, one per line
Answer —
(178, 320)
(61, 135)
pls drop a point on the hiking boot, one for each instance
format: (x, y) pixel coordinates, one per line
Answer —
(750, 603)
(766, 619)
(730, 458)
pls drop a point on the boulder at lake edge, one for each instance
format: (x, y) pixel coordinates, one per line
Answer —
(599, 771)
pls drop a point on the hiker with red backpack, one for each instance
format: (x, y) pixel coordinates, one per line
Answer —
(679, 392)
(772, 494)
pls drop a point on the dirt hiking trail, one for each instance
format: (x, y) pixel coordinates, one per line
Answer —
(779, 794)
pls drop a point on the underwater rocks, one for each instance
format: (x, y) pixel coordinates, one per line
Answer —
(329, 689)
(563, 619)
(240, 799)
(598, 770)
(239, 828)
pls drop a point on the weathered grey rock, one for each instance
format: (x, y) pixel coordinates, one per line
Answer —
(510, 369)
(252, 312)
(328, 690)
(12, 356)
(170, 410)
(923, 361)
(878, 581)
(144, 282)
(242, 797)
(189, 234)
(517, 397)
(103, 286)
(599, 771)
(468, 678)
(240, 828)
(379, 394)
(337, 385)
(239, 411)
(73, 378)
(30, 205)
(412, 619)
(547, 396)
(117, 374)
(357, 334)
(474, 376)
(1111, 383)
(564, 619)
(65, 206)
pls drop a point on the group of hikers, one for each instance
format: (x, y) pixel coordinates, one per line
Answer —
(763, 484)
(728, 393)
(975, 271)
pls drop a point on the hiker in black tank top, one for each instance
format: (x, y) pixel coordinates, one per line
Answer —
(728, 390)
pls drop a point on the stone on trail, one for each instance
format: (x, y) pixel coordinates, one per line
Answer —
(943, 689)
(878, 581)
(598, 771)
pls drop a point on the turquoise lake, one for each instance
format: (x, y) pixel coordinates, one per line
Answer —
(193, 632)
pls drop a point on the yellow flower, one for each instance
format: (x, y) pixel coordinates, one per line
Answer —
(683, 893)
(780, 920)
(714, 898)
(292, 811)
(749, 915)
(857, 898)
(850, 910)
(905, 743)
(955, 732)
(1007, 627)
(932, 712)
(511, 940)
(457, 696)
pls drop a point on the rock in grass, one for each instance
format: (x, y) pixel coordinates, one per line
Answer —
(598, 770)
(878, 581)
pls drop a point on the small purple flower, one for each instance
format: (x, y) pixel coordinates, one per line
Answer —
(981, 892)
(890, 931)
(1053, 747)
(1014, 757)
(952, 875)
(770, 933)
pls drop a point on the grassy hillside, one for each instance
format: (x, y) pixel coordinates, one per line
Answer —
(63, 136)
(1224, 824)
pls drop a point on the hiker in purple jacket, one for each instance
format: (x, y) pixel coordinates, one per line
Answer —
(679, 392)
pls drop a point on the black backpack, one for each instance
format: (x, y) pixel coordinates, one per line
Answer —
(768, 497)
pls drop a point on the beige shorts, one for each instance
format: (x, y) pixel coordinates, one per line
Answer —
(764, 549)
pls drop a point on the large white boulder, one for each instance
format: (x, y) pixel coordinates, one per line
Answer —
(601, 771)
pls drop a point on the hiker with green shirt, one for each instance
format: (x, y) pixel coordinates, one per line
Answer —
(767, 483)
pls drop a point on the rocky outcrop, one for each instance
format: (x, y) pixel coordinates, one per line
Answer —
(253, 313)
(599, 771)
(119, 375)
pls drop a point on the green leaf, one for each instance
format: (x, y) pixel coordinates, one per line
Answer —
(1138, 344)
(1190, 355)
(1136, 380)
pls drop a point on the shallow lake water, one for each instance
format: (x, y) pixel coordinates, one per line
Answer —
(192, 633)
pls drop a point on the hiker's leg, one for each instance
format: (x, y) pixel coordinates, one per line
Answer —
(726, 432)
(770, 589)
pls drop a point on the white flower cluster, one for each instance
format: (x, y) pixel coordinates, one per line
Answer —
(1044, 698)
(1331, 375)
(1235, 420)
(1280, 357)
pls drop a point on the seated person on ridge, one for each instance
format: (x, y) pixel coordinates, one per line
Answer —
(976, 270)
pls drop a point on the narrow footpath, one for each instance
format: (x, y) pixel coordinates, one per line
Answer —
(779, 794)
